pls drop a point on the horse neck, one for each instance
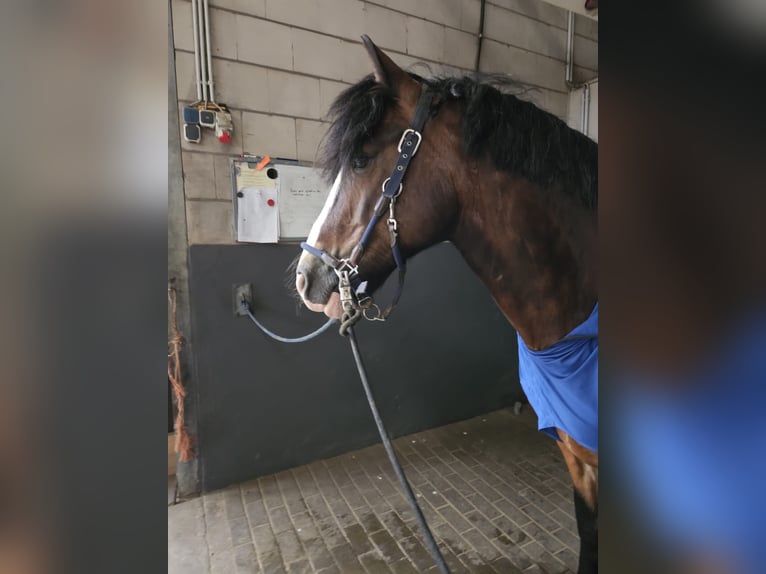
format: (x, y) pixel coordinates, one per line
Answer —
(533, 248)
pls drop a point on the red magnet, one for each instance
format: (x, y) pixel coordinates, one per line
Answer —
(270, 202)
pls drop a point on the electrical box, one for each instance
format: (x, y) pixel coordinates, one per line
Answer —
(192, 133)
(207, 118)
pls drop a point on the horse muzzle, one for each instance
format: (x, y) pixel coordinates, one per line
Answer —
(317, 285)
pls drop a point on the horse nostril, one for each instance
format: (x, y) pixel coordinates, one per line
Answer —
(300, 282)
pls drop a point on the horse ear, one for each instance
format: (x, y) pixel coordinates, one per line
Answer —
(386, 71)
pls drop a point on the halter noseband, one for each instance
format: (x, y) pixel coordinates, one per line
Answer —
(353, 291)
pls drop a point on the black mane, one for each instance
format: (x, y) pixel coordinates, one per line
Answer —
(514, 134)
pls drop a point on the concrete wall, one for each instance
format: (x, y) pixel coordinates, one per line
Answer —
(279, 63)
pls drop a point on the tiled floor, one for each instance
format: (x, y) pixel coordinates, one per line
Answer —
(495, 492)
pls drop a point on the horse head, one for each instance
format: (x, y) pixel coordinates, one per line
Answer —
(359, 152)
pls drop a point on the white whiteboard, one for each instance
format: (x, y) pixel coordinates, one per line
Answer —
(301, 193)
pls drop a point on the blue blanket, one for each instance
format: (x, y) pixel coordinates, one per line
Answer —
(561, 383)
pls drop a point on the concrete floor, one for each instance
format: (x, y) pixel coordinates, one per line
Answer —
(495, 492)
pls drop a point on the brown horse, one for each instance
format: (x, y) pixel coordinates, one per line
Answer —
(511, 186)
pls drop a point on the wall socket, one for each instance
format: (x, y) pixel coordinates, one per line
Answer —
(241, 291)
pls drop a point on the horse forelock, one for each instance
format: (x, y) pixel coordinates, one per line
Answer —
(354, 116)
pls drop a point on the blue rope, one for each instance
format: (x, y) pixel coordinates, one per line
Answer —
(322, 329)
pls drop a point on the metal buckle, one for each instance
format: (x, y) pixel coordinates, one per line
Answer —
(398, 191)
(404, 135)
(344, 288)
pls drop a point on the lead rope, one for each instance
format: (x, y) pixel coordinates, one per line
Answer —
(350, 317)
(246, 308)
(433, 548)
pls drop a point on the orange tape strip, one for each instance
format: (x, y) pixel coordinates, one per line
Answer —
(263, 163)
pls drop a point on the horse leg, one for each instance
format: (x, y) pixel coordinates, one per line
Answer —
(583, 468)
(587, 528)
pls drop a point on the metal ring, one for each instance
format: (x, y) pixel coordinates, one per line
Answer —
(378, 313)
(345, 266)
(385, 183)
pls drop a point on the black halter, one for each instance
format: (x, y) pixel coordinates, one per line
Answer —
(353, 290)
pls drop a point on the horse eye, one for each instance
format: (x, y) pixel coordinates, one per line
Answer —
(359, 163)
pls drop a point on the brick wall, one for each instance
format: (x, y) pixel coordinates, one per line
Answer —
(279, 63)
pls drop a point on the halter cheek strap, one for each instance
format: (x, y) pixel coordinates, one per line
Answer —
(390, 190)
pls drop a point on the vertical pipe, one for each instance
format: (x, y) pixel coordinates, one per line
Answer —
(195, 28)
(209, 55)
(201, 40)
(570, 48)
(585, 118)
(481, 36)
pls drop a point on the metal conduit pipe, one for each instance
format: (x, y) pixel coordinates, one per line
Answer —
(195, 27)
(201, 40)
(585, 116)
(569, 74)
(209, 54)
(481, 36)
